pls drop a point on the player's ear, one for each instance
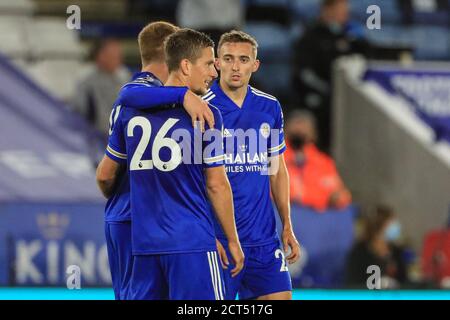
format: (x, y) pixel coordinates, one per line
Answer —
(217, 63)
(185, 67)
(256, 65)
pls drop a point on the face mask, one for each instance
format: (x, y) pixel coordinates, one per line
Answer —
(297, 141)
(335, 28)
(393, 231)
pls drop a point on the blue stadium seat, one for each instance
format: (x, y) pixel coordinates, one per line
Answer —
(389, 35)
(430, 42)
(305, 10)
(273, 40)
(438, 18)
(273, 78)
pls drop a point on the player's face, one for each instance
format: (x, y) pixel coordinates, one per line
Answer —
(202, 72)
(236, 63)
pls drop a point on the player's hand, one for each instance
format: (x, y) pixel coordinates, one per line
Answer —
(238, 257)
(198, 110)
(290, 241)
(222, 254)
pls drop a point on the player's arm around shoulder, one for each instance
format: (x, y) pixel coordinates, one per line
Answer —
(143, 96)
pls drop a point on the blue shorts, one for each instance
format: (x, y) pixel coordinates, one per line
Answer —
(180, 276)
(118, 244)
(265, 271)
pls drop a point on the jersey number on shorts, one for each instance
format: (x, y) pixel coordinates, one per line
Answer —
(159, 142)
(279, 254)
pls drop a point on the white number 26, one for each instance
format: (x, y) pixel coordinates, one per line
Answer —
(159, 142)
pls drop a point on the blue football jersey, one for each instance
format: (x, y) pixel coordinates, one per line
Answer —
(118, 205)
(247, 160)
(166, 159)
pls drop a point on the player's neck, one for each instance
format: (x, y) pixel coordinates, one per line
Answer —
(237, 95)
(156, 69)
(176, 80)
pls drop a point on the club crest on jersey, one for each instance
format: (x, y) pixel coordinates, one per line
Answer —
(226, 133)
(265, 130)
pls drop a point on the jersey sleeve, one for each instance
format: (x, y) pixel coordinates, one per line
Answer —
(116, 148)
(276, 143)
(145, 96)
(213, 150)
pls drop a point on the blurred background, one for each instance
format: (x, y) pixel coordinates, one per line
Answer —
(367, 123)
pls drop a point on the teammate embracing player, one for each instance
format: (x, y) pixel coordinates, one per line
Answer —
(113, 180)
(173, 238)
(265, 274)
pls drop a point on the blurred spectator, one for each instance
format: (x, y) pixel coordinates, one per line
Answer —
(329, 38)
(97, 92)
(435, 258)
(314, 180)
(379, 247)
(213, 17)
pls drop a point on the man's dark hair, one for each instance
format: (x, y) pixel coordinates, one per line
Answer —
(185, 44)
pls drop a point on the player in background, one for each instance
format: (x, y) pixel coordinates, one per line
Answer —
(114, 184)
(265, 275)
(173, 238)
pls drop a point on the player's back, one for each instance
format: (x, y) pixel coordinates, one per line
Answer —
(170, 211)
(117, 207)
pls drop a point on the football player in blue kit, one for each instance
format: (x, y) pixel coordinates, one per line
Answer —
(256, 168)
(173, 237)
(114, 182)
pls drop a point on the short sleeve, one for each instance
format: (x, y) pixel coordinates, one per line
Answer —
(116, 148)
(276, 143)
(213, 150)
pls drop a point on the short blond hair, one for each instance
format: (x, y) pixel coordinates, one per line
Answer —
(151, 41)
(235, 36)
